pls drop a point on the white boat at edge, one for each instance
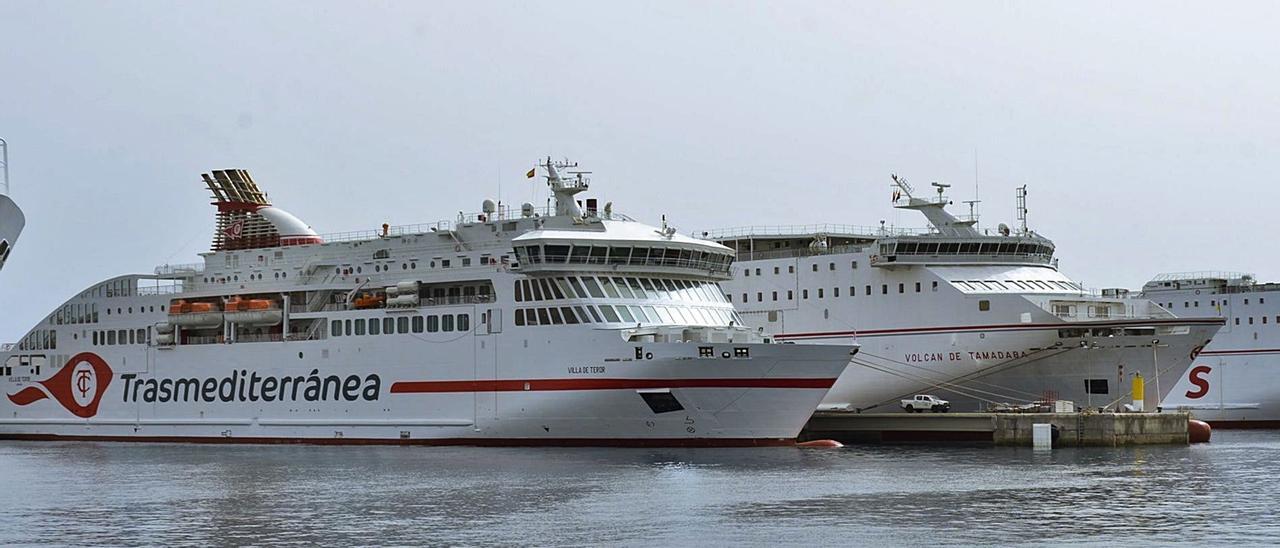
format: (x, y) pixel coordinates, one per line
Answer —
(1233, 383)
(569, 326)
(12, 220)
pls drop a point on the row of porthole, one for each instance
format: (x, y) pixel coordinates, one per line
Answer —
(236, 278)
(141, 310)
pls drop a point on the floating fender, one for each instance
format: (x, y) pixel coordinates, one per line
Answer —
(1198, 431)
(821, 444)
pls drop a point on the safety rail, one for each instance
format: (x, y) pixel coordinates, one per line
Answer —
(179, 269)
(422, 303)
(738, 232)
(798, 252)
(1201, 275)
(718, 266)
(506, 214)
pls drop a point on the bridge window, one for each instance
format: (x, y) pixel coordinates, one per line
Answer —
(984, 305)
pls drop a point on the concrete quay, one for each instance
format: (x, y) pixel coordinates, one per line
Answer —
(1009, 429)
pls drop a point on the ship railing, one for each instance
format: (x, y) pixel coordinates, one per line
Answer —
(504, 214)
(1201, 275)
(739, 232)
(718, 266)
(189, 269)
(422, 303)
(799, 252)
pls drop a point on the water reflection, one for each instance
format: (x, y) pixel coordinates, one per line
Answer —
(89, 493)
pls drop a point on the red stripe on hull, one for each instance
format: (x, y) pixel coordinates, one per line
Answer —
(539, 385)
(476, 442)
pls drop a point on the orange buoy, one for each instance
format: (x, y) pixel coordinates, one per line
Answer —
(820, 444)
(1198, 431)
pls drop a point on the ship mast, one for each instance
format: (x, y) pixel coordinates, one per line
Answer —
(565, 189)
(4, 167)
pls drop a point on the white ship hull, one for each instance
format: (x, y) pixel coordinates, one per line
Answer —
(973, 367)
(11, 223)
(437, 392)
(1232, 384)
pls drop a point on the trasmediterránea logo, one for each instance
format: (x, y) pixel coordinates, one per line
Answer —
(78, 386)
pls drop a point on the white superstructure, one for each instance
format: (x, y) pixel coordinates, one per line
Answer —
(978, 316)
(11, 218)
(1233, 382)
(570, 326)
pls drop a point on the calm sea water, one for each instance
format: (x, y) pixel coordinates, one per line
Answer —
(140, 494)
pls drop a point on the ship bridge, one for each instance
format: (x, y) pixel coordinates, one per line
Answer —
(621, 247)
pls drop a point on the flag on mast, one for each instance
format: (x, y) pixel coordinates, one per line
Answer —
(531, 173)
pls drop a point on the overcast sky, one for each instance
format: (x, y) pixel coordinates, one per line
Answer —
(1147, 133)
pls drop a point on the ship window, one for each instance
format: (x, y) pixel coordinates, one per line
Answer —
(95, 338)
(557, 253)
(569, 318)
(625, 314)
(561, 286)
(791, 295)
(820, 292)
(744, 297)
(884, 289)
(775, 295)
(635, 287)
(346, 328)
(433, 321)
(868, 290)
(417, 325)
(593, 288)
(804, 293)
(598, 254)
(1264, 319)
(609, 314)
(464, 322)
(519, 293)
(640, 315)
(555, 316)
(1096, 386)
(1250, 320)
(608, 287)
(984, 305)
(777, 270)
(111, 335)
(402, 325)
(652, 313)
(917, 287)
(1237, 321)
(791, 269)
(595, 316)
(335, 328)
(375, 326)
(519, 316)
(579, 254)
(537, 291)
(359, 327)
(640, 256)
(549, 287)
(388, 326)
(759, 296)
(902, 288)
(446, 322)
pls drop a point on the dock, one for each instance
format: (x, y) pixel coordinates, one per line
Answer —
(1007, 429)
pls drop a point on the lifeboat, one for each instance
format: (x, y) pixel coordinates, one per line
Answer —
(194, 314)
(253, 312)
(370, 301)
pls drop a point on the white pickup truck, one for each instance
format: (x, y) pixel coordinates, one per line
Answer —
(920, 402)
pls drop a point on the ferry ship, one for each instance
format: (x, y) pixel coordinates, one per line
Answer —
(983, 318)
(11, 218)
(1230, 385)
(569, 325)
